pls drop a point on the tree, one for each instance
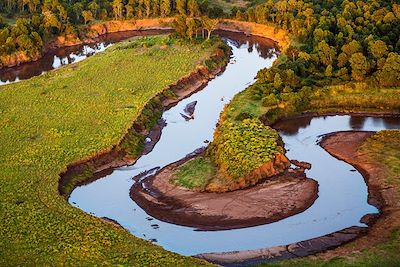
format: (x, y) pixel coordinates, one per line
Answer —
(193, 8)
(156, 8)
(304, 56)
(51, 23)
(191, 27)
(94, 8)
(181, 7)
(359, 66)
(32, 5)
(165, 8)
(277, 81)
(147, 7)
(326, 53)
(328, 71)
(129, 11)
(378, 49)
(117, 8)
(180, 25)
(260, 14)
(87, 16)
(390, 73)
(209, 25)
(251, 16)
(240, 15)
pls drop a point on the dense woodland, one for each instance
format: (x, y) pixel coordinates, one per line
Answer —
(340, 40)
(39, 20)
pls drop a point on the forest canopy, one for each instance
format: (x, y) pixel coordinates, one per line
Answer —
(39, 20)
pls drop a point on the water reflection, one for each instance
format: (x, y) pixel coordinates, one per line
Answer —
(357, 122)
(294, 126)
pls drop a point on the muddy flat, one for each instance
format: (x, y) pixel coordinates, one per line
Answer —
(270, 201)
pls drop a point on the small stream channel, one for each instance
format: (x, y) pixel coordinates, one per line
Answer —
(342, 200)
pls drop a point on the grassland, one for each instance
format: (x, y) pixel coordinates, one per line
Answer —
(351, 97)
(357, 97)
(195, 174)
(382, 148)
(227, 5)
(65, 116)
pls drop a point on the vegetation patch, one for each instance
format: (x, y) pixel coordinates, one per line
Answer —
(384, 147)
(65, 116)
(195, 174)
(239, 148)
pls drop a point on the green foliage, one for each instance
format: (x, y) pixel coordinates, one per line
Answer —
(195, 174)
(65, 116)
(389, 75)
(133, 144)
(188, 26)
(240, 147)
(38, 21)
(80, 177)
(357, 36)
(356, 97)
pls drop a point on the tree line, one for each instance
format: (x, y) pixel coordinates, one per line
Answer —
(39, 20)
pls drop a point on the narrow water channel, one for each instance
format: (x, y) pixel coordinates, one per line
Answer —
(343, 193)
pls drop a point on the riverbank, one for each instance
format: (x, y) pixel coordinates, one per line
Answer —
(268, 201)
(71, 115)
(376, 156)
(361, 150)
(147, 125)
(89, 34)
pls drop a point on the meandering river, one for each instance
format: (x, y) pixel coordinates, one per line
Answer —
(342, 200)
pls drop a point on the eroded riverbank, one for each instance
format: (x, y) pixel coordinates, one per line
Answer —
(270, 200)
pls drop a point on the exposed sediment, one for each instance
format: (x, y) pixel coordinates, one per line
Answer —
(344, 146)
(299, 249)
(278, 197)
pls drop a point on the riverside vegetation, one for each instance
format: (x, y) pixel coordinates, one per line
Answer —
(72, 114)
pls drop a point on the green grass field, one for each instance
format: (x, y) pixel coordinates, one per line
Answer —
(195, 174)
(67, 115)
(354, 97)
